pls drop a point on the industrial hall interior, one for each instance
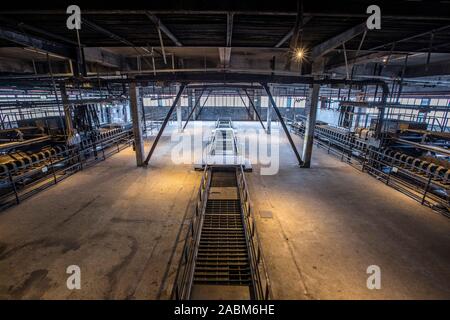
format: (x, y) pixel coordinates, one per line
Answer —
(225, 150)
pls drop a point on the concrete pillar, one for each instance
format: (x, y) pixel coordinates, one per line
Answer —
(269, 112)
(136, 116)
(311, 111)
(67, 111)
(179, 114)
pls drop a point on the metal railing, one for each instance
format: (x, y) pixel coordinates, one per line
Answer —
(260, 279)
(185, 273)
(416, 182)
(22, 182)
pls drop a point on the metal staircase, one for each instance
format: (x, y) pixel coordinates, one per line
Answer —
(222, 256)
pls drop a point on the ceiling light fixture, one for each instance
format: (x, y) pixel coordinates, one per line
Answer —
(299, 54)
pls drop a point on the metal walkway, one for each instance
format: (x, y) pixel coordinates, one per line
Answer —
(222, 257)
(223, 147)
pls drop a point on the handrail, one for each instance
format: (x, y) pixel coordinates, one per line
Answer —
(260, 279)
(185, 273)
(415, 181)
(59, 163)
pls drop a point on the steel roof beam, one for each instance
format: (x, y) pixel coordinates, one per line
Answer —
(336, 41)
(411, 37)
(25, 26)
(291, 32)
(230, 17)
(163, 28)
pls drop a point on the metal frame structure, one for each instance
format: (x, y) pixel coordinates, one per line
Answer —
(164, 124)
(280, 117)
(252, 105)
(230, 79)
(254, 108)
(186, 78)
(193, 108)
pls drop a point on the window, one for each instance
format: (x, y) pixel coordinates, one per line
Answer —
(425, 102)
(264, 101)
(184, 101)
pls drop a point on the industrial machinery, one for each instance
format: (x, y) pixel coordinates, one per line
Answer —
(36, 149)
(406, 156)
(35, 165)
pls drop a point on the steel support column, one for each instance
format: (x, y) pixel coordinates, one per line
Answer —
(67, 110)
(379, 126)
(286, 131)
(269, 111)
(310, 125)
(136, 116)
(245, 106)
(251, 98)
(192, 100)
(195, 98)
(193, 108)
(164, 124)
(201, 109)
(254, 108)
(179, 113)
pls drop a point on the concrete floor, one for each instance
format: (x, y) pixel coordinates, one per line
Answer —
(320, 229)
(120, 224)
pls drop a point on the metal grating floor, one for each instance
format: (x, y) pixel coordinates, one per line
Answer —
(222, 256)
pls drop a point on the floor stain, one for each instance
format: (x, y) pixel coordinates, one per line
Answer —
(113, 275)
(121, 220)
(35, 285)
(84, 206)
(2, 247)
(66, 245)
